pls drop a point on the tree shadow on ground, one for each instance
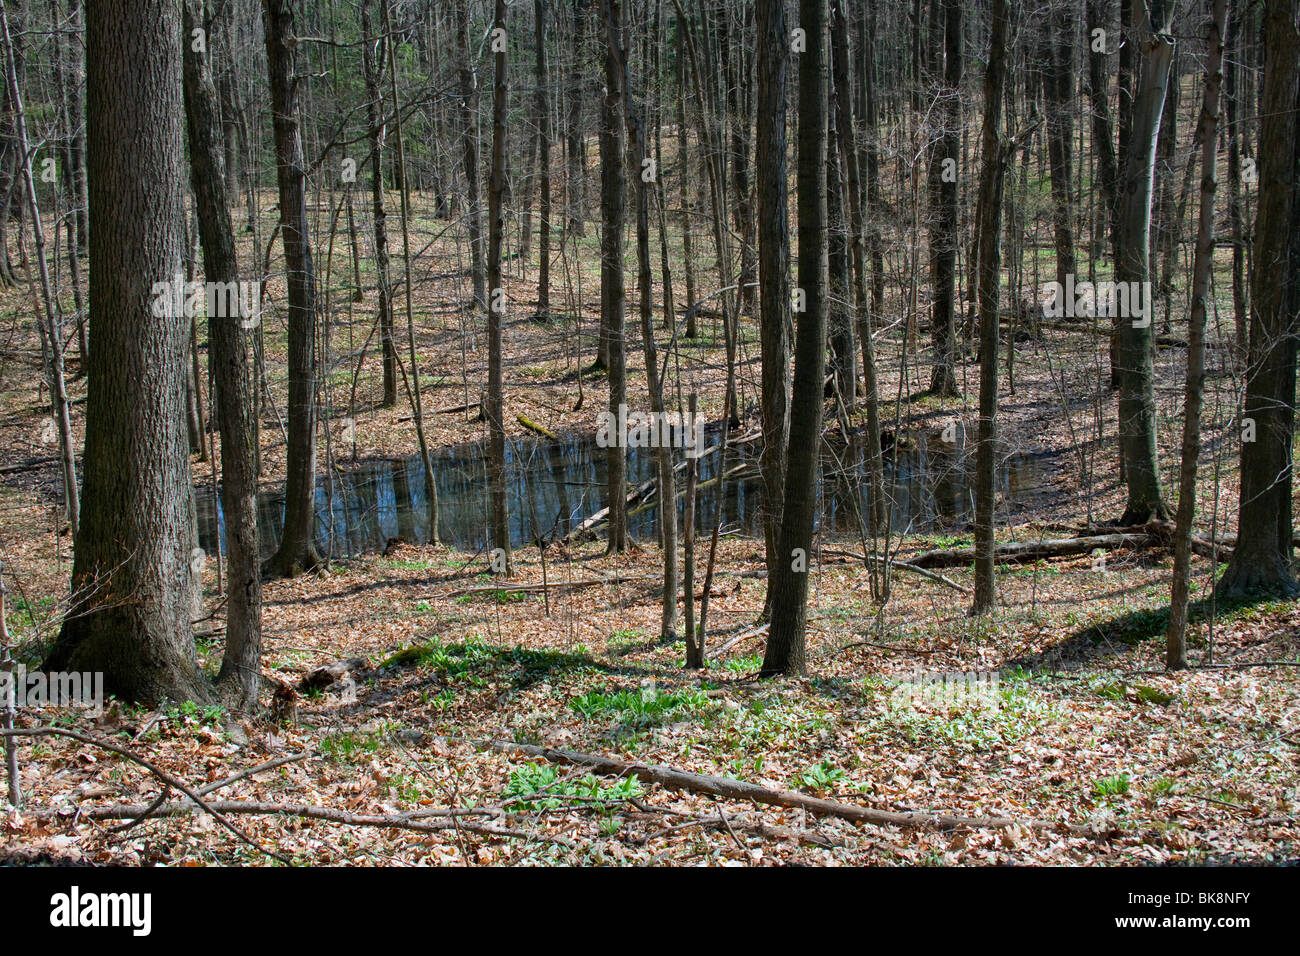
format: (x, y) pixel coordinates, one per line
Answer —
(1114, 636)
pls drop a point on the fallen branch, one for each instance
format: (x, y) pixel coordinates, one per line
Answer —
(166, 778)
(417, 821)
(553, 585)
(742, 636)
(740, 790)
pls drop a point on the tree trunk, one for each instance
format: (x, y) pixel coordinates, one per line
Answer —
(992, 175)
(773, 269)
(544, 165)
(494, 410)
(1103, 135)
(663, 452)
(468, 106)
(1137, 399)
(131, 582)
(372, 63)
(1261, 561)
(241, 665)
(943, 238)
(786, 643)
(1058, 88)
(1207, 133)
(297, 551)
(613, 202)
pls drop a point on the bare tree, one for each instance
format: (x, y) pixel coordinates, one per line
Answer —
(1206, 133)
(786, 644)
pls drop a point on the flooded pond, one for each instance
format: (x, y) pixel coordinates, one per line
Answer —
(554, 485)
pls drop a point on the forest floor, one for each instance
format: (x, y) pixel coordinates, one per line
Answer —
(1074, 721)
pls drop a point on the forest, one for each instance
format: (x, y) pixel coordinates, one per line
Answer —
(649, 432)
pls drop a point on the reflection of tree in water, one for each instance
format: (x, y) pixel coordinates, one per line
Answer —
(555, 485)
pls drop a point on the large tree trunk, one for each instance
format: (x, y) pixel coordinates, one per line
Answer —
(786, 643)
(131, 582)
(1262, 558)
(241, 665)
(1137, 397)
(297, 551)
(498, 514)
(613, 203)
(992, 175)
(1207, 132)
(773, 269)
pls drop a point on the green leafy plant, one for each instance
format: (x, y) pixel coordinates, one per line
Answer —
(538, 787)
(1115, 786)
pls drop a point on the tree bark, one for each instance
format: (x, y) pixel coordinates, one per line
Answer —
(494, 408)
(131, 582)
(241, 665)
(1262, 560)
(992, 175)
(372, 64)
(297, 551)
(773, 268)
(1137, 399)
(786, 645)
(1207, 133)
(613, 203)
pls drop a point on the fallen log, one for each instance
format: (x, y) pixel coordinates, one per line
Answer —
(740, 790)
(1014, 552)
(901, 566)
(532, 426)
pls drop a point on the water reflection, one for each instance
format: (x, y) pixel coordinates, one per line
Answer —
(553, 486)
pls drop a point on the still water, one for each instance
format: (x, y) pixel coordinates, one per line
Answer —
(554, 485)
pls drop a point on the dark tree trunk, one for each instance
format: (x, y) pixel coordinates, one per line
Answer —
(1207, 131)
(1261, 562)
(544, 165)
(297, 551)
(372, 63)
(992, 175)
(498, 515)
(1058, 87)
(131, 580)
(468, 106)
(943, 238)
(773, 268)
(613, 203)
(241, 665)
(858, 229)
(1103, 134)
(786, 644)
(667, 491)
